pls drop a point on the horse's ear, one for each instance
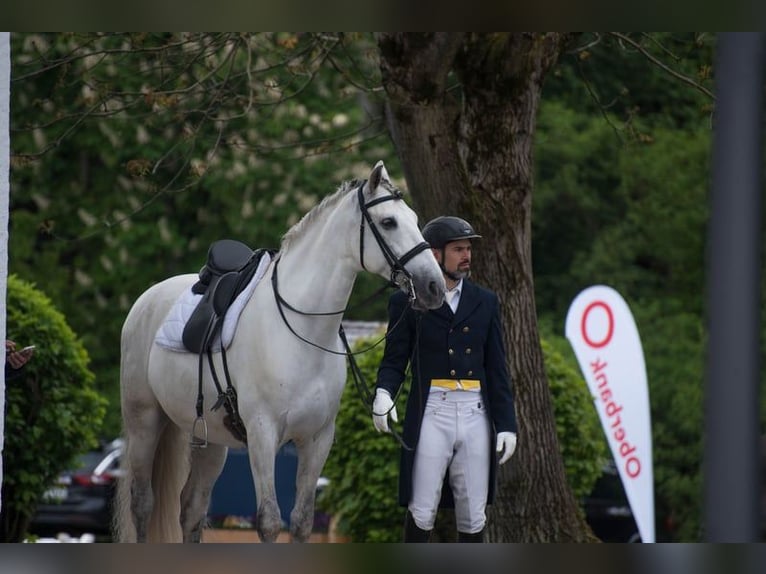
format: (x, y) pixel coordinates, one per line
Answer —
(377, 175)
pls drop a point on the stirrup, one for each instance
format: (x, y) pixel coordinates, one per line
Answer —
(197, 442)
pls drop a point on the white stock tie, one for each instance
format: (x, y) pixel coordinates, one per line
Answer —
(452, 299)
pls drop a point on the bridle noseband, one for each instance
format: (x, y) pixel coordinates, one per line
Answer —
(398, 271)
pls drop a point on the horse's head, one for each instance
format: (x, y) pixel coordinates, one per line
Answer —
(392, 245)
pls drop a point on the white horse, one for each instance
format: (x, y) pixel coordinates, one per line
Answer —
(288, 385)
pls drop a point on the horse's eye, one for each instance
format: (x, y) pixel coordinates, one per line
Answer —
(388, 223)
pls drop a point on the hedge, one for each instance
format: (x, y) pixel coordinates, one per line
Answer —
(52, 412)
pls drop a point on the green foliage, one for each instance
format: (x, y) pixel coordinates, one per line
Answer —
(664, 183)
(582, 442)
(674, 343)
(576, 171)
(363, 465)
(632, 215)
(606, 74)
(53, 412)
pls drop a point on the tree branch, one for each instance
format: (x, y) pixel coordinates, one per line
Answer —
(679, 76)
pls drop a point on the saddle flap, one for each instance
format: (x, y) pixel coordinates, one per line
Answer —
(224, 292)
(207, 317)
(197, 327)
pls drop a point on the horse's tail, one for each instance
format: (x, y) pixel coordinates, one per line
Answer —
(170, 471)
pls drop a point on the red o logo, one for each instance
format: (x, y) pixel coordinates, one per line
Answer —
(610, 326)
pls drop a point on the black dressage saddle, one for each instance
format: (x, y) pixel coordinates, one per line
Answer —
(230, 266)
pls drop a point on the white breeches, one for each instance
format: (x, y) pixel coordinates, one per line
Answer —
(455, 434)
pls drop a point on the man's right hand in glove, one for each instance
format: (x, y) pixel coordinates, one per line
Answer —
(382, 407)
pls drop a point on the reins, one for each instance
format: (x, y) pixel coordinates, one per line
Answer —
(282, 305)
(363, 389)
(348, 352)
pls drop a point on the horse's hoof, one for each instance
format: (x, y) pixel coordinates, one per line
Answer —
(267, 538)
(295, 537)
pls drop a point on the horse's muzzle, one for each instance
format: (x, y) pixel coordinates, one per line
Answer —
(425, 296)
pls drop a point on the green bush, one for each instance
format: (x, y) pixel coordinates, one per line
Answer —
(53, 412)
(363, 465)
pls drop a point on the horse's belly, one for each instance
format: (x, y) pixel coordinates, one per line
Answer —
(305, 408)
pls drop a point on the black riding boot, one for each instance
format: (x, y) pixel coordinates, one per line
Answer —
(413, 533)
(466, 537)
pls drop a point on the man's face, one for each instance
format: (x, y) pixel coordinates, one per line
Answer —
(457, 257)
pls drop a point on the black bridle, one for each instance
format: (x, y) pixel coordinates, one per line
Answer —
(399, 274)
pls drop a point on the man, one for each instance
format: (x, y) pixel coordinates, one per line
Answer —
(460, 404)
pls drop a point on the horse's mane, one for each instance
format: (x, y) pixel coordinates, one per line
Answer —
(329, 201)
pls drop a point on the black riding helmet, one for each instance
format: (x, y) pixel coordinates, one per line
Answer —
(440, 231)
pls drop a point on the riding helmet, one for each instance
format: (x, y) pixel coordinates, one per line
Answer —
(440, 231)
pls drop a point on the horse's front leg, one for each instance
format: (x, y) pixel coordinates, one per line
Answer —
(262, 451)
(312, 455)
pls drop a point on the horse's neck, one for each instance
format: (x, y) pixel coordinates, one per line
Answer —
(316, 274)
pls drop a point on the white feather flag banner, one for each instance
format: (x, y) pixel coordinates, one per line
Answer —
(604, 336)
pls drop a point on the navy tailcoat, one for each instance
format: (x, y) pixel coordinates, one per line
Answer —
(441, 345)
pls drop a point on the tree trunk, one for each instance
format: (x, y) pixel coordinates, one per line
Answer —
(466, 150)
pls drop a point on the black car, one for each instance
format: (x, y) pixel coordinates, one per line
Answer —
(607, 509)
(81, 499)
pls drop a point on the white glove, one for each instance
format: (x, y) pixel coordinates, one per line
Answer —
(382, 407)
(506, 444)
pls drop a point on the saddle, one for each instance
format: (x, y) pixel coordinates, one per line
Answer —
(229, 268)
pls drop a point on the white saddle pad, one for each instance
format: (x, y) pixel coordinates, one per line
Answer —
(170, 332)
